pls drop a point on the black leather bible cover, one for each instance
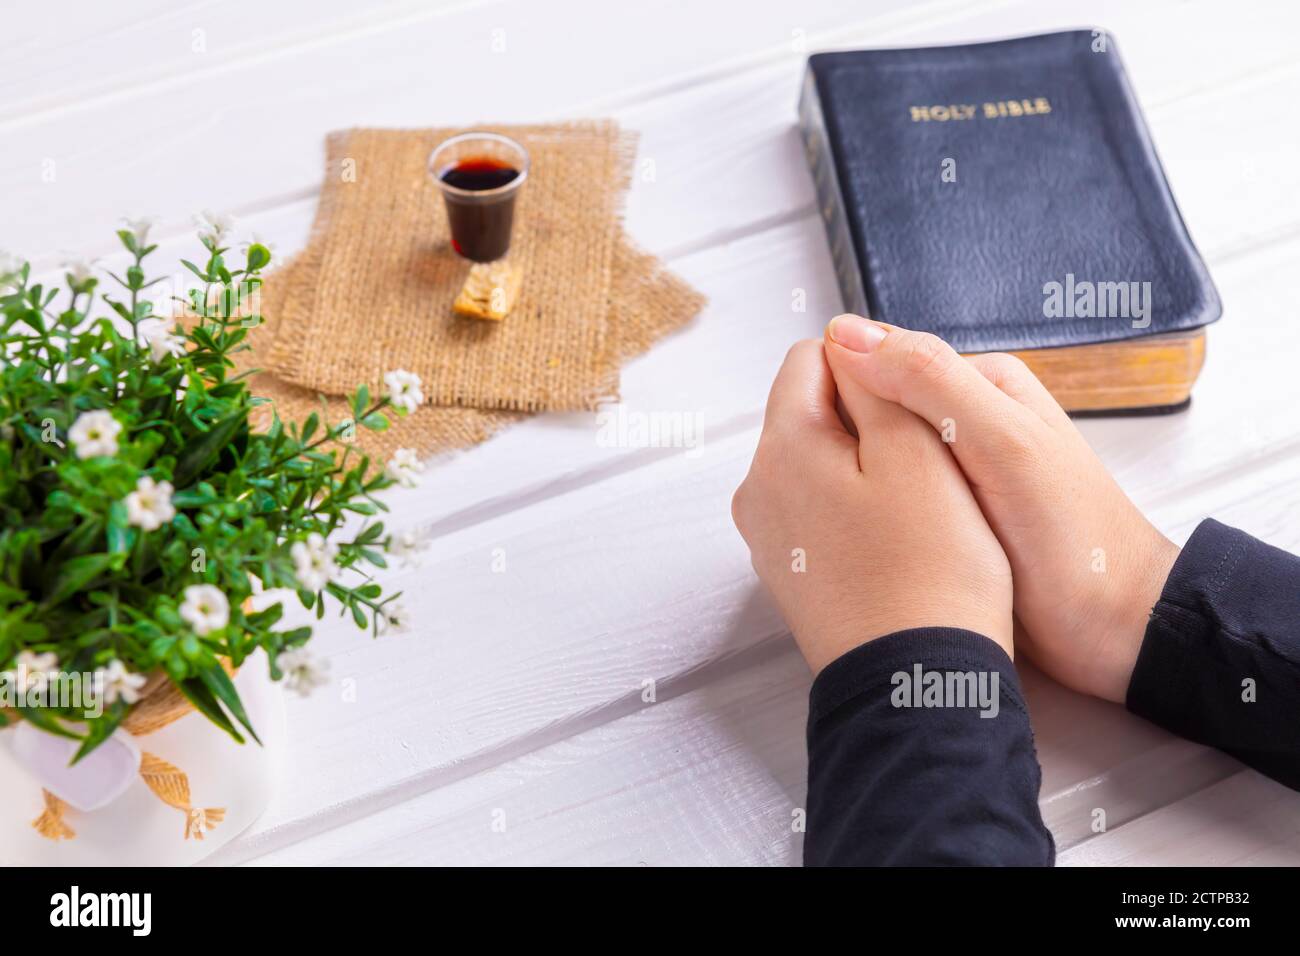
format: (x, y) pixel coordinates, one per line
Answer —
(1002, 195)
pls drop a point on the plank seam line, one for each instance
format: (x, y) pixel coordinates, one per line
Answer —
(640, 96)
(635, 98)
(771, 646)
(1223, 767)
(498, 506)
(893, 23)
(268, 205)
(1083, 844)
(1216, 476)
(583, 477)
(351, 29)
(1247, 248)
(1232, 85)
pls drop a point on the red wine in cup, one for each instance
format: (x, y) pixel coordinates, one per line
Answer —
(480, 225)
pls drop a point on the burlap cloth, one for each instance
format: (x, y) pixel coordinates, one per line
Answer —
(383, 275)
(373, 291)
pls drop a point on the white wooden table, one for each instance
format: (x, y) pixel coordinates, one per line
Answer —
(512, 725)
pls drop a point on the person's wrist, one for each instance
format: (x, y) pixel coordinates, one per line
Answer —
(824, 642)
(1131, 612)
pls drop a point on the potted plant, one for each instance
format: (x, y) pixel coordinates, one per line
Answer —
(142, 511)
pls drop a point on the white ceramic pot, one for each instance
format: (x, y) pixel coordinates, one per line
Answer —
(117, 819)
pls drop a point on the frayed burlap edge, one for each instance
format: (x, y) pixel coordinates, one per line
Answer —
(647, 302)
(429, 430)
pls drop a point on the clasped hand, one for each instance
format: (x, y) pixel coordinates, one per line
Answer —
(898, 484)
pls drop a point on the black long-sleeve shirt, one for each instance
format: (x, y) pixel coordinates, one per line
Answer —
(903, 769)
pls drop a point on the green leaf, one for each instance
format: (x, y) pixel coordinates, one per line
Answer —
(371, 534)
(119, 532)
(218, 681)
(99, 730)
(195, 269)
(75, 575)
(79, 541)
(46, 722)
(266, 619)
(376, 422)
(259, 257)
(119, 308)
(194, 497)
(203, 452)
(201, 697)
(160, 646)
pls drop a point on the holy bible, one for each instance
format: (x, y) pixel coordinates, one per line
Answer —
(1006, 196)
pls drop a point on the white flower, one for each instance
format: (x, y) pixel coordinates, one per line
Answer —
(393, 618)
(264, 598)
(139, 229)
(214, 227)
(150, 505)
(80, 270)
(94, 433)
(405, 467)
(163, 343)
(116, 681)
(404, 390)
(313, 561)
(303, 672)
(32, 671)
(407, 546)
(205, 608)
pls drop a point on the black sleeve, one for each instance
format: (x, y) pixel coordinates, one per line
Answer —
(920, 753)
(1220, 662)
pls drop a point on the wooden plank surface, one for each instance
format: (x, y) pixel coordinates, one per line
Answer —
(1093, 754)
(622, 565)
(1244, 820)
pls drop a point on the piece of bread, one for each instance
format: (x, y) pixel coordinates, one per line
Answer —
(490, 291)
